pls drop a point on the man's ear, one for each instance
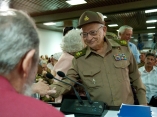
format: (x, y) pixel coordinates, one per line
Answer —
(27, 62)
(105, 30)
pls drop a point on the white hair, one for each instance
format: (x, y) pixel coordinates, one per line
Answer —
(123, 28)
(57, 55)
(18, 35)
(72, 41)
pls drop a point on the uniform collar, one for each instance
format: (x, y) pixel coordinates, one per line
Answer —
(130, 44)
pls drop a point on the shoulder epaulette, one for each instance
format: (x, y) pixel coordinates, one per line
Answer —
(121, 42)
(111, 35)
(80, 53)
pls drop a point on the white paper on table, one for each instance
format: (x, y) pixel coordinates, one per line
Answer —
(72, 115)
(111, 114)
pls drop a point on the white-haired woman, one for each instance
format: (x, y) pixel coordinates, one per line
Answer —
(71, 43)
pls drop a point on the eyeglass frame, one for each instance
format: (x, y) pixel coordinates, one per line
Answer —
(95, 31)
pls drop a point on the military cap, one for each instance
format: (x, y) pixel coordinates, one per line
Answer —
(89, 17)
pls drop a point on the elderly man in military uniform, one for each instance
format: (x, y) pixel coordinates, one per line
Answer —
(106, 66)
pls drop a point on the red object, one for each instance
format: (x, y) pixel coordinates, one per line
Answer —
(13, 104)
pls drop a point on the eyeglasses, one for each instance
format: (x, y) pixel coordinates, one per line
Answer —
(92, 33)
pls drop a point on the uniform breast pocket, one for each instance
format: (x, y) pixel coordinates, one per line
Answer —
(92, 78)
(121, 70)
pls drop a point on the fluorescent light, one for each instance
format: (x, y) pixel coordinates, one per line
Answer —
(152, 10)
(151, 21)
(76, 2)
(49, 23)
(150, 39)
(4, 5)
(151, 33)
(105, 16)
(5, 13)
(135, 40)
(113, 25)
(150, 27)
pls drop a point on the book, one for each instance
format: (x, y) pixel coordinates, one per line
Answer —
(127, 110)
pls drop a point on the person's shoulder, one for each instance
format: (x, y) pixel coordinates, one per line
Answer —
(141, 68)
(44, 108)
(29, 105)
(80, 53)
(118, 42)
(132, 45)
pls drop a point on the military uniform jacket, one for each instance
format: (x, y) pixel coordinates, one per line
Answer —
(107, 78)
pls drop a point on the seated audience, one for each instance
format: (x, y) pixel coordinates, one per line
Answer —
(42, 57)
(142, 59)
(149, 76)
(19, 41)
(46, 58)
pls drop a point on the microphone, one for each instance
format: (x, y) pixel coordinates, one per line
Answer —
(79, 106)
(61, 74)
(50, 76)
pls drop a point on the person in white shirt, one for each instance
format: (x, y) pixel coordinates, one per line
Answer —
(149, 76)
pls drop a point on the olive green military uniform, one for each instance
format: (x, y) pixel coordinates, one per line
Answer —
(107, 78)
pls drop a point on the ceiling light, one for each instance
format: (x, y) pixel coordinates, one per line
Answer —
(105, 16)
(151, 21)
(76, 2)
(150, 27)
(49, 23)
(113, 25)
(150, 39)
(4, 5)
(152, 10)
(5, 13)
(135, 40)
(151, 33)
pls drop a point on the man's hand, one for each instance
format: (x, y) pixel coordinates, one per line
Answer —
(40, 87)
(44, 72)
(51, 91)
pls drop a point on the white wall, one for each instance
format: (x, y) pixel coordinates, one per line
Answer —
(49, 42)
